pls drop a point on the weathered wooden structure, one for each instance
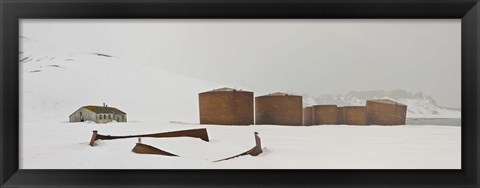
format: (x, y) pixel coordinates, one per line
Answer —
(226, 106)
(385, 112)
(98, 114)
(278, 109)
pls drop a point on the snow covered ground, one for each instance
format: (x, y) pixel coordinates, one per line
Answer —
(54, 85)
(65, 146)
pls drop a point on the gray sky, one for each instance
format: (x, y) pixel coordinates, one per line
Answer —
(300, 56)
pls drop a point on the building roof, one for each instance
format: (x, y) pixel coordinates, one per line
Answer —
(226, 89)
(387, 101)
(103, 110)
(278, 94)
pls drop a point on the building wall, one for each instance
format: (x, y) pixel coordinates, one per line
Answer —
(104, 118)
(87, 115)
(325, 114)
(278, 110)
(109, 117)
(226, 107)
(355, 115)
(120, 117)
(307, 116)
(385, 114)
(340, 116)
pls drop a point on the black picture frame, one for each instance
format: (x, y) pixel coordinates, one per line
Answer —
(13, 10)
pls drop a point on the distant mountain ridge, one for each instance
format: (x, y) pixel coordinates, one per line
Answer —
(418, 104)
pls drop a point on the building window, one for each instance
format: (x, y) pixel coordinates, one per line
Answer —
(99, 116)
(104, 116)
(110, 116)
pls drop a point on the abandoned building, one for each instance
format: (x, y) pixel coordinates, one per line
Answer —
(278, 109)
(226, 106)
(386, 112)
(320, 115)
(98, 114)
(355, 115)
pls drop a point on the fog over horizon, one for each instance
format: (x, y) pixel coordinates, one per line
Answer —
(313, 57)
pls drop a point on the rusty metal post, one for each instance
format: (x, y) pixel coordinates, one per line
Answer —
(94, 137)
(258, 146)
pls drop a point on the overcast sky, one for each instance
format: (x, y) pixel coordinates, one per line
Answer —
(299, 56)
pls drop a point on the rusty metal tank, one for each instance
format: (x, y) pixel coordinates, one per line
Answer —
(226, 106)
(355, 115)
(320, 115)
(307, 116)
(386, 112)
(278, 109)
(340, 115)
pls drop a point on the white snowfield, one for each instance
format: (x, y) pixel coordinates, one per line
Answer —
(54, 85)
(65, 146)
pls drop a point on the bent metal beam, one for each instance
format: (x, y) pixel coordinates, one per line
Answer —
(147, 149)
(256, 150)
(195, 133)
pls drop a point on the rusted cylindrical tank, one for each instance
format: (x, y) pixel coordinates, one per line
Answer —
(340, 115)
(278, 109)
(355, 115)
(307, 116)
(320, 115)
(386, 112)
(226, 106)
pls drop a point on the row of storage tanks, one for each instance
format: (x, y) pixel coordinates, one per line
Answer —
(228, 106)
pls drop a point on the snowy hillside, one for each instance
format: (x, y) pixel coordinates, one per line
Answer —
(418, 104)
(56, 84)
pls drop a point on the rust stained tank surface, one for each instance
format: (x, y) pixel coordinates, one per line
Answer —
(226, 106)
(355, 115)
(325, 114)
(320, 115)
(278, 109)
(386, 112)
(340, 116)
(307, 116)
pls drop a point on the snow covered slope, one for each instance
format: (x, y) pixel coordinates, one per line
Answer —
(418, 104)
(54, 85)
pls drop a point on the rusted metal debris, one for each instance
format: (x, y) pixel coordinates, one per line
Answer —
(195, 133)
(147, 149)
(256, 150)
